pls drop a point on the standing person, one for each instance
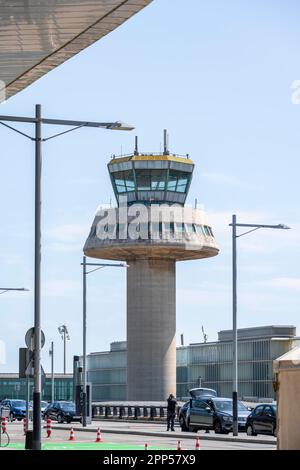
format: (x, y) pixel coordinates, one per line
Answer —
(171, 411)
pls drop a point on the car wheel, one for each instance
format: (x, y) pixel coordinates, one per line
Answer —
(183, 424)
(189, 427)
(249, 431)
(218, 427)
(60, 419)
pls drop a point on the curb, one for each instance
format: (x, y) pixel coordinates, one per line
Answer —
(168, 434)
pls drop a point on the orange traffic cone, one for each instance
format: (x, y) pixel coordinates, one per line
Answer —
(98, 438)
(179, 445)
(197, 443)
(72, 436)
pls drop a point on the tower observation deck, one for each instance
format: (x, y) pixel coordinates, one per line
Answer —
(151, 229)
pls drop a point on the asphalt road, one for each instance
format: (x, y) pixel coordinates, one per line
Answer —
(123, 437)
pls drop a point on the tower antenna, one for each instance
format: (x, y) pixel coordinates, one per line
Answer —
(205, 337)
(166, 139)
(136, 145)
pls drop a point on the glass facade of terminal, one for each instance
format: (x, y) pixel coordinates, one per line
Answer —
(210, 365)
(14, 388)
(204, 364)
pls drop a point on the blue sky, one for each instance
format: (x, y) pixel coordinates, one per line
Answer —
(218, 75)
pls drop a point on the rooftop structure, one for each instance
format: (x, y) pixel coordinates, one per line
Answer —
(37, 36)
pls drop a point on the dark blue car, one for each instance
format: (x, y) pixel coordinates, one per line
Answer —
(17, 408)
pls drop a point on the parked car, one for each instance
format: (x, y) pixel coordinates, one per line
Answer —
(17, 408)
(262, 420)
(200, 392)
(195, 393)
(182, 413)
(44, 405)
(62, 411)
(212, 413)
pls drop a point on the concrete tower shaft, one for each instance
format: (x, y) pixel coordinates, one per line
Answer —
(151, 329)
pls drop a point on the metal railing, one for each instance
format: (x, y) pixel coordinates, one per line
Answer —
(133, 412)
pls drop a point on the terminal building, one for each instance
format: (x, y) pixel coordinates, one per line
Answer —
(203, 364)
(12, 387)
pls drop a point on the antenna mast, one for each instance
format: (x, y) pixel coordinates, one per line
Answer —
(166, 143)
(205, 337)
(136, 147)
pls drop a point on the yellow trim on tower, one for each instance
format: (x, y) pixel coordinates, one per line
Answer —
(141, 157)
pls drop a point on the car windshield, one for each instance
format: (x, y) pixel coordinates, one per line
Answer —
(67, 406)
(226, 405)
(18, 403)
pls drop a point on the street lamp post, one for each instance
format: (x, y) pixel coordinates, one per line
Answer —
(96, 266)
(252, 228)
(63, 330)
(51, 354)
(38, 120)
(9, 289)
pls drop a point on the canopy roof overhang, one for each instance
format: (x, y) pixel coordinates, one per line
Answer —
(38, 35)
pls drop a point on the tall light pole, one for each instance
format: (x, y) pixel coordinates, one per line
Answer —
(96, 266)
(63, 330)
(252, 228)
(51, 354)
(38, 120)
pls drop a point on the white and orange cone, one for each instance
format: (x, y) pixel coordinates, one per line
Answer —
(98, 438)
(72, 435)
(3, 425)
(48, 427)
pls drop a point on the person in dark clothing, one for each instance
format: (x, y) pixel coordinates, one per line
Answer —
(171, 412)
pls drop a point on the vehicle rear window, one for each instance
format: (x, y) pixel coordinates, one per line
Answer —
(18, 403)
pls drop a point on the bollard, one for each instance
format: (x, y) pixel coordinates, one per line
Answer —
(48, 427)
(72, 435)
(137, 412)
(121, 412)
(24, 426)
(179, 445)
(197, 443)
(3, 424)
(107, 411)
(98, 438)
(153, 413)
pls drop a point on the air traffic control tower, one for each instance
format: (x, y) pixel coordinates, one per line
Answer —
(151, 229)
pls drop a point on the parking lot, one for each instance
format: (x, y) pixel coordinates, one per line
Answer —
(134, 435)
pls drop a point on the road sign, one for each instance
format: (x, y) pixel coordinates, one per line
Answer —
(29, 339)
(29, 370)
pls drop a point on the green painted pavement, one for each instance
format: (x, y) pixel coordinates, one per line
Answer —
(87, 446)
